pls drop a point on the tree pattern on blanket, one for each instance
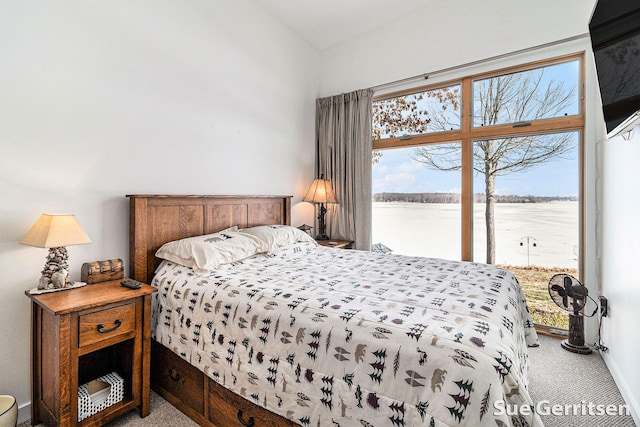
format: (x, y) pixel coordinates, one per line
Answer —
(349, 338)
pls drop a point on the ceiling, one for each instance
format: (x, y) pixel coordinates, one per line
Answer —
(327, 23)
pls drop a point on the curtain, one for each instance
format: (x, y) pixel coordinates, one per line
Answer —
(343, 137)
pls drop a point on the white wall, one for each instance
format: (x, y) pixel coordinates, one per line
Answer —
(620, 252)
(447, 34)
(102, 99)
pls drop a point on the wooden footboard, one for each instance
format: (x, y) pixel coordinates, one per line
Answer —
(202, 399)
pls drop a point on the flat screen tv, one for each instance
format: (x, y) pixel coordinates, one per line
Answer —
(615, 37)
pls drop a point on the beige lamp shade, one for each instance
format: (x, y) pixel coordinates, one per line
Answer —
(320, 192)
(52, 231)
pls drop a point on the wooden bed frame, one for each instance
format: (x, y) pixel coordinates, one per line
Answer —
(157, 219)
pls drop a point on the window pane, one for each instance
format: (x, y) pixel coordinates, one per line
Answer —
(536, 213)
(541, 93)
(434, 110)
(416, 207)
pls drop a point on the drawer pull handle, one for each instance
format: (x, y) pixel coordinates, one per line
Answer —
(174, 375)
(243, 422)
(102, 330)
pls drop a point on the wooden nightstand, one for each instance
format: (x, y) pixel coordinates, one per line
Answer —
(333, 243)
(82, 334)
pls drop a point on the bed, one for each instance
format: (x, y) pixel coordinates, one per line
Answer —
(307, 335)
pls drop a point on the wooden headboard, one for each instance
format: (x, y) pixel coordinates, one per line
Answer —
(157, 219)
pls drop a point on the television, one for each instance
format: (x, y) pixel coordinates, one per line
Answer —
(615, 38)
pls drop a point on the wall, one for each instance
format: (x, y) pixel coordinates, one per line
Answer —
(448, 34)
(103, 99)
(620, 230)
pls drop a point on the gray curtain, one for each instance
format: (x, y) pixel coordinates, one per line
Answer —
(343, 133)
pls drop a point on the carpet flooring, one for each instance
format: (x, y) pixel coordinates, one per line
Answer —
(556, 376)
(162, 414)
(565, 378)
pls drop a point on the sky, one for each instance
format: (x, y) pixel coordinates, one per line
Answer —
(397, 172)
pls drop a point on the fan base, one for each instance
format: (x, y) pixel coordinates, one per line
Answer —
(580, 349)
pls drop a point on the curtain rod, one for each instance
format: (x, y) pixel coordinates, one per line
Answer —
(425, 76)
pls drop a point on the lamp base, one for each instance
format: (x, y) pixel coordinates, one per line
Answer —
(55, 274)
(322, 235)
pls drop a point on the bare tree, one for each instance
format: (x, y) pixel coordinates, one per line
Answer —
(509, 98)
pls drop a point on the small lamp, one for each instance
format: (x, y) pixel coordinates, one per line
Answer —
(321, 192)
(55, 232)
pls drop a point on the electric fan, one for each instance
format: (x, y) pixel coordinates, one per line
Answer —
(571, 295)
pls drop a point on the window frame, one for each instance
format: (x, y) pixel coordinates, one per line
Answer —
(467, 134)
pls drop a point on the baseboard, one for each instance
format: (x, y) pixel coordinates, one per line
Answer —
(24, 412)
(629, 399)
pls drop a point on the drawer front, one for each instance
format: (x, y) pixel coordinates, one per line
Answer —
(102, 325)
(229, 409)
(171, 373)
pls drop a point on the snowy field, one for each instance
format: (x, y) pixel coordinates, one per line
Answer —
(433, 230)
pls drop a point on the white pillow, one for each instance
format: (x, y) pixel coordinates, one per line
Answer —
(275, 236)
(208, 252)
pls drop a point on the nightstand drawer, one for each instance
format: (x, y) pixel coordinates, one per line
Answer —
(105, 324)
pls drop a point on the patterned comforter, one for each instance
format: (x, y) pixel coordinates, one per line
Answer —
(326, 336)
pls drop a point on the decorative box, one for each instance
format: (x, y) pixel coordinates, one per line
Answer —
(99, 394)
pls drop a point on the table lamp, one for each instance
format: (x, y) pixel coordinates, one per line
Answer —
(321, 192)
(55, 232)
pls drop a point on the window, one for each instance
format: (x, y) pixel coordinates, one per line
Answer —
(414, 205)
(502, 135)
(433, 110)
(541, 93)
(534, 220)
